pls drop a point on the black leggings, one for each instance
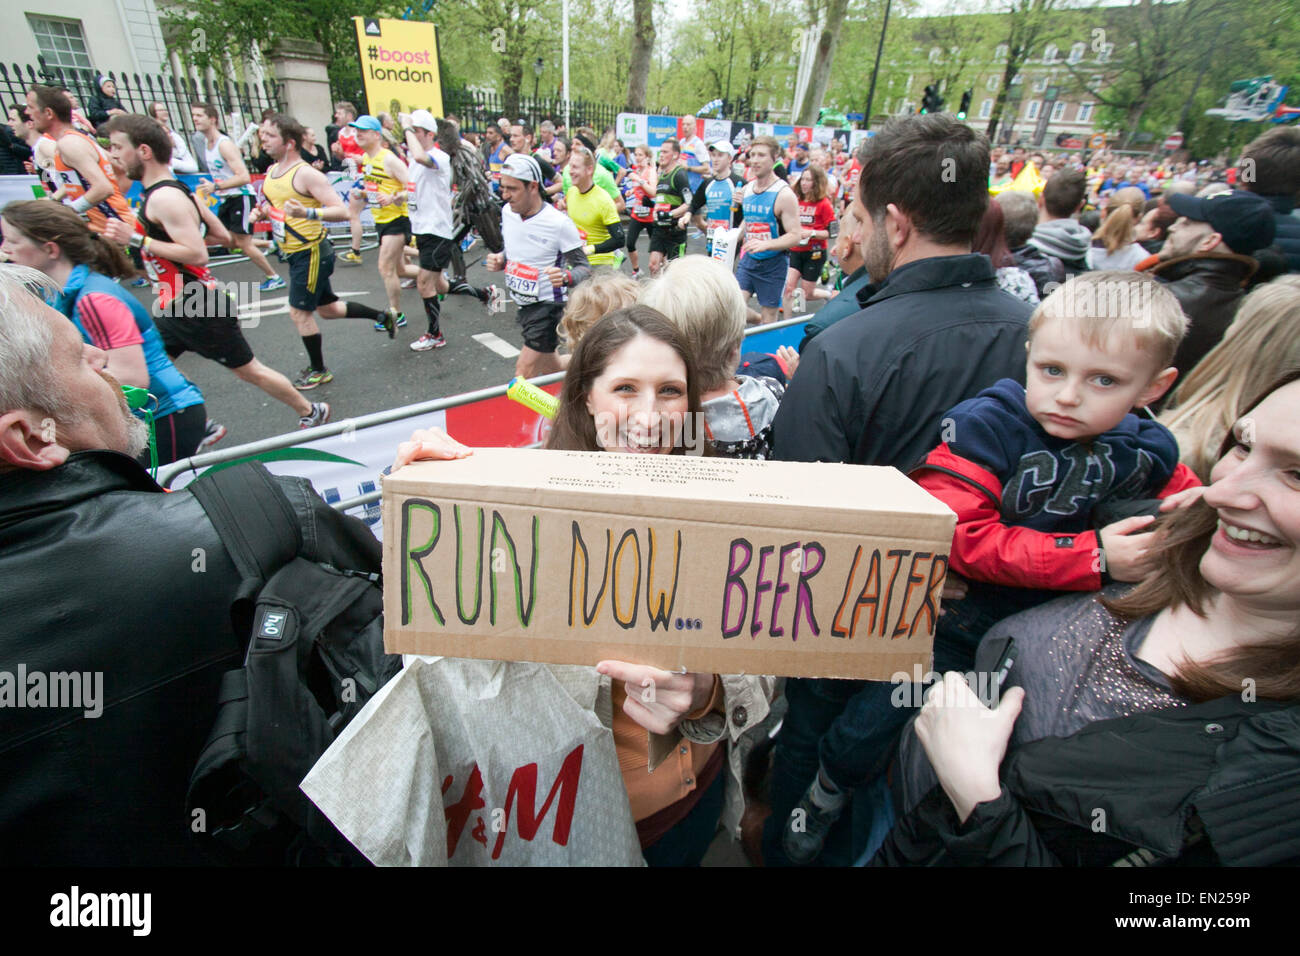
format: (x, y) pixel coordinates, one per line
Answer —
(179, 434)
(634, 228)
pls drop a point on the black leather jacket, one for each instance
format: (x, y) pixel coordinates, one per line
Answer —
(1212, 783)
(1209, 288)
(1045, 270)
(104, 573)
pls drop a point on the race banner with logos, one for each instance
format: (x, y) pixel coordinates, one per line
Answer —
(632, 129)
(399, 65)
(660, 128)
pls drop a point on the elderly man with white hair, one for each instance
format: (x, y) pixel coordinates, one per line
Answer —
(119, 586)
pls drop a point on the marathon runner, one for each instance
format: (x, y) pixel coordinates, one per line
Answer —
(383, 191)
(593, 212)
(348, 153)
(432, 220)
(668, 238)
(771, 215)
(808, 256)
(182, 160)
(694, 153)
(230, 184)
(170, 238)
(543, 257)
(714, 201)
(82, 173)
(640, 184)
(299, 200)
(495, 145)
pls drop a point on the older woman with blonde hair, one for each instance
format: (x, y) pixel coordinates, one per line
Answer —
(1263, 341)
(700, 296)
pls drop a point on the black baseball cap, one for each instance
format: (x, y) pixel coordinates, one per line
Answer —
(1244, 220)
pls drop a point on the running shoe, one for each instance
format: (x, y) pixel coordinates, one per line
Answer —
(496, 301)
(350, 258)
(804, 834)
(139, 282)
(426, 342)
(391, 321)
(467, 243)
(319, 415)
(408, 283)
(311, 377)
(213, 432)
(271, 283)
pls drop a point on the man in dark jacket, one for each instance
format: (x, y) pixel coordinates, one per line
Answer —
(934, 330)
(116, 594)
(104, 103)
(1020, 217)
(1206, 263)
(1270, 167)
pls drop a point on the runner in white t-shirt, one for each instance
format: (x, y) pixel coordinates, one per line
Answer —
(543, 258)
(431, 220)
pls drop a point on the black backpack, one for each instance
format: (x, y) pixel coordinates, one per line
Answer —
(315, 655)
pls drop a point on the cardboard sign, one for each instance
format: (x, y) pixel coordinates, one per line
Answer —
(712, 564)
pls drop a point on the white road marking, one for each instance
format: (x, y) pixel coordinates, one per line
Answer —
(279, 305)
(496, 344)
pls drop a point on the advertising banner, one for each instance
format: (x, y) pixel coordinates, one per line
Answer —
(660, 128)
(399, 65)
(632, 129)
(716, 129)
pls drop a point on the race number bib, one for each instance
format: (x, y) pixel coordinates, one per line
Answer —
(372, 194)
(522, 279)
(277, 223)
(716, 224)
(759, 231)
(410, 203)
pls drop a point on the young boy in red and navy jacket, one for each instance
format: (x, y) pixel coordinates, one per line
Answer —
(1028, 470)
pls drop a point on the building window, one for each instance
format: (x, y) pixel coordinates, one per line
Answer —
(992, 84)
(1058, 111)
(1103, 55)
(936, 54)
(1031, 109)
(1001, 52)
(1085, 113)
(1076, 53)
(61, 42)
(986, 109)
(1040, 84)
(1049, 53)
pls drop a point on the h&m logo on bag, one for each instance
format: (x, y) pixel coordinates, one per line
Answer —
(271, 624)
(372, 27)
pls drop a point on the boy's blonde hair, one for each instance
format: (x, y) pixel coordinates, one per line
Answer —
(700, 296)
(592, 300)
(1102, 304)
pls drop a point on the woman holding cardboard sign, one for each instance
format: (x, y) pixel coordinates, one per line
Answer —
(632, 387)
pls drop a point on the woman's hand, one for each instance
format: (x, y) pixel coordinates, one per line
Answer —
(965, 740)
(429, 444)
(657, 699)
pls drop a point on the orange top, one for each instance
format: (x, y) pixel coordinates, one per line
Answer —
(68, 178)
(649, 792)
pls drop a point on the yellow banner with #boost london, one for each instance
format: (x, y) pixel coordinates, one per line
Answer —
(399, 65)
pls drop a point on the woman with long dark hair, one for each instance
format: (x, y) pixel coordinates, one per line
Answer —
(632, 387)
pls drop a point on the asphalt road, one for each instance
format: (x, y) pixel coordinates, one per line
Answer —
(371, 372)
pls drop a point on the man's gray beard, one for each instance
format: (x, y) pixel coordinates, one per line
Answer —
(137, 436)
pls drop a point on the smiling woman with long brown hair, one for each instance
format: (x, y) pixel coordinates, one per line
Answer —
(1158, 725)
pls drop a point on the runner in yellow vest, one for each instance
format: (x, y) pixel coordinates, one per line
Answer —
(593, 212)
(298, 200)
(384, 180)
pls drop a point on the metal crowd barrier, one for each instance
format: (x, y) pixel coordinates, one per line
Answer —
(170, 472)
